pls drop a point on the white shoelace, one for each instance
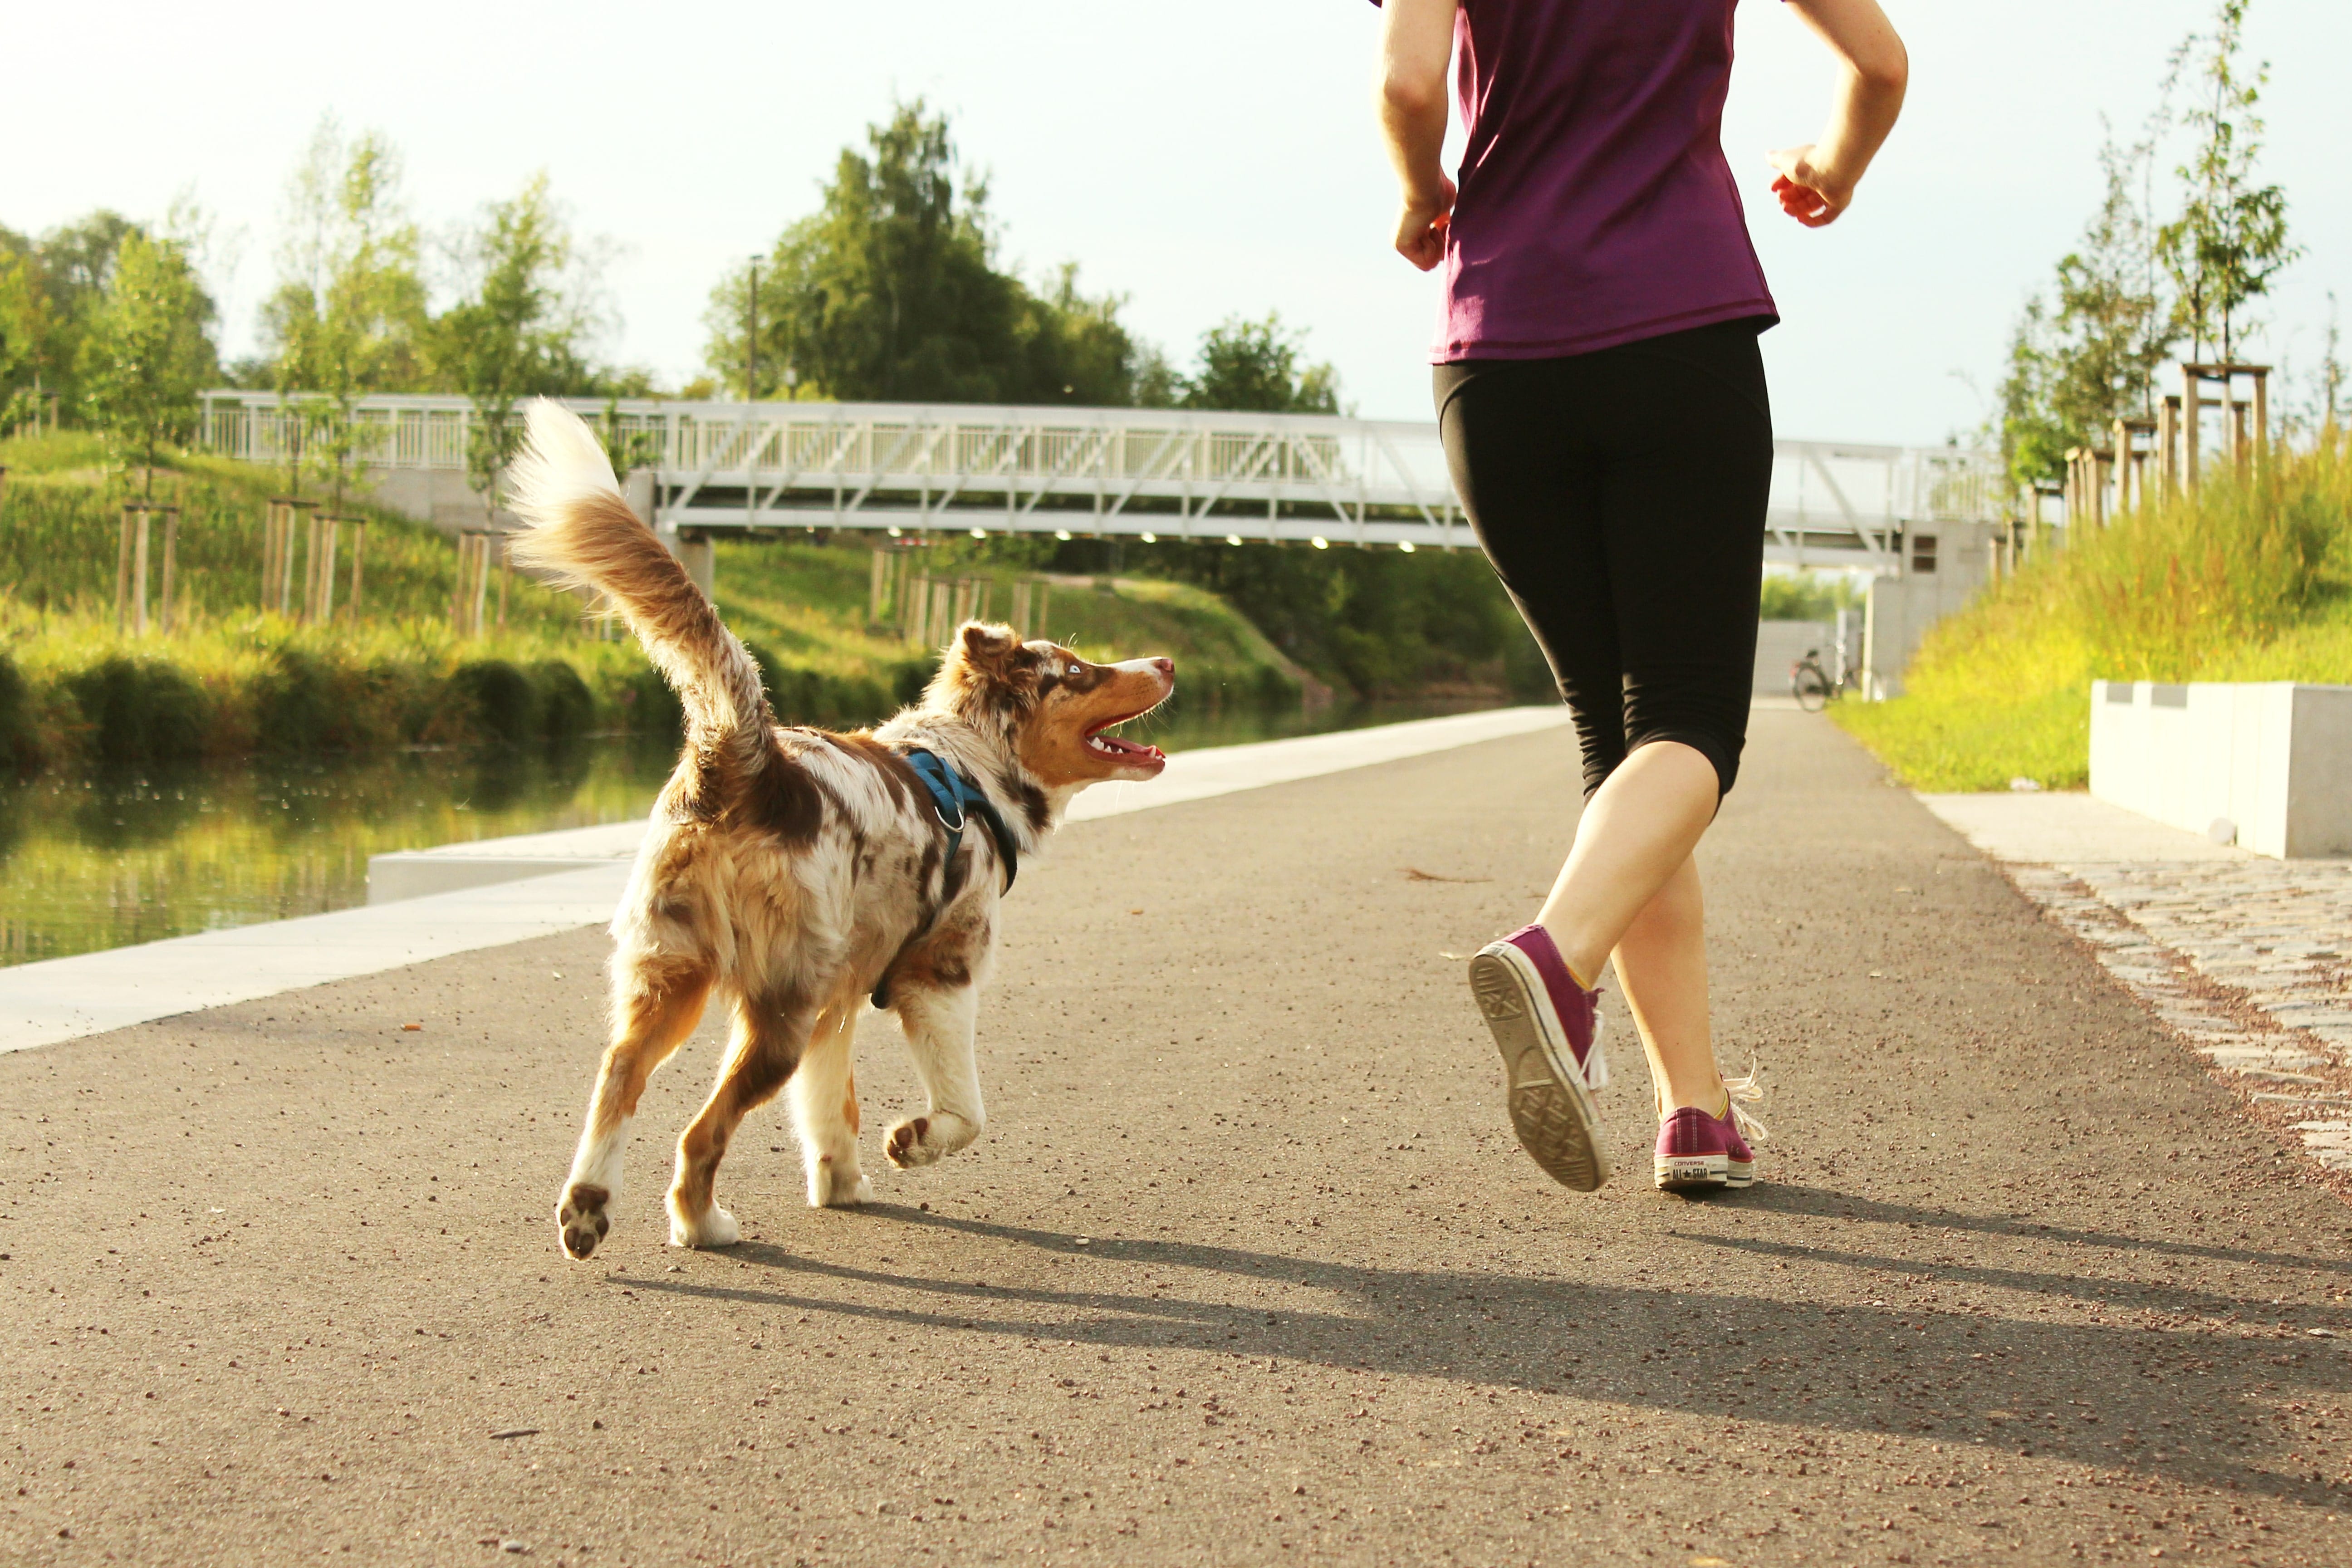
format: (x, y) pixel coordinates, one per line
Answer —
(1743, 1092)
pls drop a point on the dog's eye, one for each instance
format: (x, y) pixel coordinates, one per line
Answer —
(1074, 670)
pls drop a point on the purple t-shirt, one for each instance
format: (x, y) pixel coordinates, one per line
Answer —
(1595, 205)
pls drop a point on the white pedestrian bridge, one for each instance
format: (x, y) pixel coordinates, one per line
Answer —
(1134, 473)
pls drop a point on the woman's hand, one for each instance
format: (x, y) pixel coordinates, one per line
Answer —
(1817, 180)
(1416, 42)
(1421, 227)
(1809, 193)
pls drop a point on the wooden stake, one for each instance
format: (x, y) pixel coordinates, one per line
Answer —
(878, 587)
(481, 582)
(139, 575)
(2192, 394)
(2168, 440)
(326, 607)
(359, 553)
(170, 569)
(123, 573)
(2262, 415)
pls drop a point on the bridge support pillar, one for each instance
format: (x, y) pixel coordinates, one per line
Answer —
(695, 552)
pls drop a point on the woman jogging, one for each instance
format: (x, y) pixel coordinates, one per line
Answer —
(1602, 399)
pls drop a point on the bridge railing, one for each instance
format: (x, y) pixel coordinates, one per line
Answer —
(1192, 473)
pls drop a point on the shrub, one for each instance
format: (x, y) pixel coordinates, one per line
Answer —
(20, 744)
(567, 708)
(140, 710)
(500, 703)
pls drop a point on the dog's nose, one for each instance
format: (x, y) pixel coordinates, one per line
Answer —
(1166, 667)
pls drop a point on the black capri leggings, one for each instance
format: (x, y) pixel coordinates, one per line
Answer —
(1621, 497)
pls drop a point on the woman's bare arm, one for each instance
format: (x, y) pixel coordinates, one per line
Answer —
(1416, 44)
(1817, 181)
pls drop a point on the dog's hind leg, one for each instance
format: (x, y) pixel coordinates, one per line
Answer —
(656, 1003)
(770, 1033)
(939, 1021)
(825, 1112)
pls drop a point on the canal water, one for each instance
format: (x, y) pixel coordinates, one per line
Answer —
(109, 859)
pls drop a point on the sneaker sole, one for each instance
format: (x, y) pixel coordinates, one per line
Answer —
(1699, 1173)
(1551, 1109)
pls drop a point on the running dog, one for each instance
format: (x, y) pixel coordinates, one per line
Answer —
(795, 873)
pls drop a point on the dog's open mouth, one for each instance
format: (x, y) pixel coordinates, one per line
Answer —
(1099, 740)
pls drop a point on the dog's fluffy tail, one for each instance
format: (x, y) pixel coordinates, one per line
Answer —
(582, 534)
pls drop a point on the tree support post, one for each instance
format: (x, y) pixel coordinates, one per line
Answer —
(170, 569)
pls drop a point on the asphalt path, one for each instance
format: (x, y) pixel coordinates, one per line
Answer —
(1246, 1267)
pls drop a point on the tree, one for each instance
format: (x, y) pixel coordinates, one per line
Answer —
(24, 330)
(521, 330)
(2074, 371)
(1257, 365)
(891, 292)
(2230, 238)
(58, 285)
(347, 316)
(149, 349)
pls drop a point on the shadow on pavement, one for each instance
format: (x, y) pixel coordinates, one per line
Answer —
(2037, 1390)
(1829, 1204)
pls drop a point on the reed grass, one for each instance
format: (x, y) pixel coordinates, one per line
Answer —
(2250, 578)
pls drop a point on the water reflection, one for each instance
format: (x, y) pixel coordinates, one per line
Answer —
(110, 859)
(130, 856)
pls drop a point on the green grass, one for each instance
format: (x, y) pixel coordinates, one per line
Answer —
(2247, 580)
(231, 680)
(809, 602)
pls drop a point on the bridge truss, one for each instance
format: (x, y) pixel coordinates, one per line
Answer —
(1138, 473)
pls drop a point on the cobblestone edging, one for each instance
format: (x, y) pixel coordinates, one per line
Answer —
(2250, 962)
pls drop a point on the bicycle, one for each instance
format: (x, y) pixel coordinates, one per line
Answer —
(1809, 684)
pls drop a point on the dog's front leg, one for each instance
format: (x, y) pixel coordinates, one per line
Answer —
(939, 1021)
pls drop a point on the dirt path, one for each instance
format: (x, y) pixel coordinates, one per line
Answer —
(1246, 1268)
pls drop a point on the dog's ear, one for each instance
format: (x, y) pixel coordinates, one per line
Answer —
(989, 649)
(987, 667)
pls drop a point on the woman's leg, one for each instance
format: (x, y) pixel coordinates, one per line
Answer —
(1661, 964)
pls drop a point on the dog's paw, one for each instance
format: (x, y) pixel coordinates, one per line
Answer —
(580, 1217)
(832, 1186)
(714, 1227)
(921, 1139)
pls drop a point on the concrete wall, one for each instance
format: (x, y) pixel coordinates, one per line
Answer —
(1932, 581)
(1779, 644)
(2267, 765)
(438, 496)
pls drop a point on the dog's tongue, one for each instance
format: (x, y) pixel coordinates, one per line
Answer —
(1117, 744)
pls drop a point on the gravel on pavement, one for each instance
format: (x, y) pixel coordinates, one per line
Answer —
(1246, 1267)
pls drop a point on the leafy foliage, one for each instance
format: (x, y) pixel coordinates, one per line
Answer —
(147, 354)
(347, 316)
(521, 331)
(1259, 365)
(891, 291)
(2230, 239)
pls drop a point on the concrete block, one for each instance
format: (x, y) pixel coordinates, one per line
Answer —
(2267, 765)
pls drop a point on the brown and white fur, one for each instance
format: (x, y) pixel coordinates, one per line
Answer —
(791, 870)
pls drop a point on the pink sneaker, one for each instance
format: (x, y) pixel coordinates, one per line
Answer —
(1549, 1029)
(1698, 1153)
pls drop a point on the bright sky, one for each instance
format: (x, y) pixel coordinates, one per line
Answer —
(1202, 159)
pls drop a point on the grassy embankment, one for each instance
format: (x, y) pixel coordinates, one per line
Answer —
(231, 681)
(2249, 579)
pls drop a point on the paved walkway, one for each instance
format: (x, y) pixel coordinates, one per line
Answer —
(1246, 1268)
(2248, 959)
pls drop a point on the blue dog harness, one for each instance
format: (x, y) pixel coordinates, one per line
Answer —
(953, 794)
(956, 799)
